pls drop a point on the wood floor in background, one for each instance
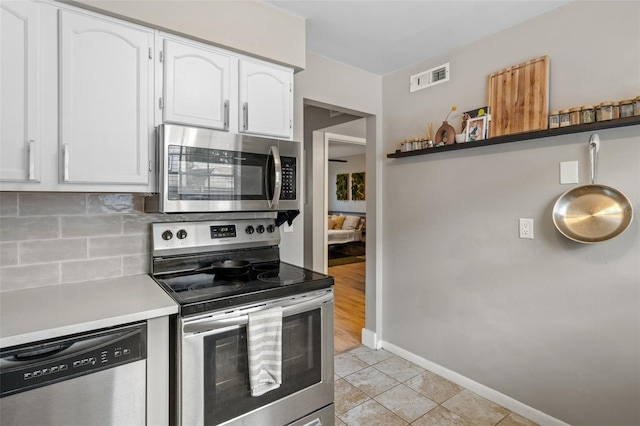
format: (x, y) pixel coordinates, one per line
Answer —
(348, 305)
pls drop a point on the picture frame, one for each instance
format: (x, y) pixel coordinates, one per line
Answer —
(475, 113)
(476, 129)
(342, 185)
(358, 186)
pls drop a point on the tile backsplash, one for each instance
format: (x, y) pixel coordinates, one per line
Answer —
(58, 238)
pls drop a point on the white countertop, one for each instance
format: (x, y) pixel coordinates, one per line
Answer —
(41, 313)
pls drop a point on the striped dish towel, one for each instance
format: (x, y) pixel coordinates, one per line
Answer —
(264, 347)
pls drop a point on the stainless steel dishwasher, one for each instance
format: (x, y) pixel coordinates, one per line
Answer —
(94, 378)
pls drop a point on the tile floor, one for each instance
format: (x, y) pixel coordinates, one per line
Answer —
(379, 388)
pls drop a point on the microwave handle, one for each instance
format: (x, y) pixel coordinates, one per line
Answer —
(218, 325)
(273, 203)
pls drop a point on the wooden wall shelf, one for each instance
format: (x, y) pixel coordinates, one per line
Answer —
(621, 122)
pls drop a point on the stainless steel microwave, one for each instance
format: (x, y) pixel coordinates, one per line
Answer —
(202, 170)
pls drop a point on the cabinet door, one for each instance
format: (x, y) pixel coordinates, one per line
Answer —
(266, 93)
(19, 92)
(106, 97)
(196, 86)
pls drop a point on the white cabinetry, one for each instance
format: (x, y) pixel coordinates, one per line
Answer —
(106, 89)
(19, 141)
(77, 101)
(196, 86)
(265, 96)
(205, 86)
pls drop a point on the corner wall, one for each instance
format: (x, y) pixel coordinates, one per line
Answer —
(328, 82)
(551, 323)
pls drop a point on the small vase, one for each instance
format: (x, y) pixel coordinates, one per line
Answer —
(445, 134)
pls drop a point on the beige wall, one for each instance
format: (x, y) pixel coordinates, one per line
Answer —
(551, 323)
(248, 26)
(328, 82)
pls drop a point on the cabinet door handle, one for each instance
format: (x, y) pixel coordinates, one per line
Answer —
(245, 111)
(65, 151)
(226, 114)
(32, 160)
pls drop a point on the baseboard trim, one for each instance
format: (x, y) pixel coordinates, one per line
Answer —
(369, 339)
(482, 390)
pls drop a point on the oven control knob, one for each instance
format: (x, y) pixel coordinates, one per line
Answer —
(260, 229)
(249, 230)
(167, 235)
(271, 228)
(182, 234)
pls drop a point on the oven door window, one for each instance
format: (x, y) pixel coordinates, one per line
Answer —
(226, 379)
(211, 174)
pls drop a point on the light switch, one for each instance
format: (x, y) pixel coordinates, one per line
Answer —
(568, 172)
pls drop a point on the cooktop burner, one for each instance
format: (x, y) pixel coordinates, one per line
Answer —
(286, 277)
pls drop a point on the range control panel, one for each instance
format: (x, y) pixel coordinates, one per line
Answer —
(197, 237)
(27, 367)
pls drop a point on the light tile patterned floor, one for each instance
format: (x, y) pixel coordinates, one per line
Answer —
(379, 388)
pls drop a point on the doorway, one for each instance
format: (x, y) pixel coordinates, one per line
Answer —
(335, 142)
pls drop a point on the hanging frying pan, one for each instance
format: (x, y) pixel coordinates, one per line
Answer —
(592, 213)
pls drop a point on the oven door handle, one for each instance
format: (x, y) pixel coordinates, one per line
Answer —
(241, 317)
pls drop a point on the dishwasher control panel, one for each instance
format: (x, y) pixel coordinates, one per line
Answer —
(39, 364)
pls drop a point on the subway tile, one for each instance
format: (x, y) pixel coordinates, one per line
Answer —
(135, 265)
(54, 203)
(29, 228)
(115, 203)
(8, 203)
(119, 246)
(91, 270)
(8, 254)
(43, 251)
(138, 224)
(90, 226)
(29, 276)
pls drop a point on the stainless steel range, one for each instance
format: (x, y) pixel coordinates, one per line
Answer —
(221, 273)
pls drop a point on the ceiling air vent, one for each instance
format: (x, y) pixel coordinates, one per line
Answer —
(429, 78)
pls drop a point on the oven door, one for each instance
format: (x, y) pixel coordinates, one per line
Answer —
(213, 378)
(203, 170)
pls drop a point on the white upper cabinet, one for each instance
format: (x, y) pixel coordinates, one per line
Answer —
(196, 86)
(206, 86)
(265, 99)
(106, 98)
(19, 142)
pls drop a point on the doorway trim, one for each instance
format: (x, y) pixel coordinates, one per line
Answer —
(336, 138)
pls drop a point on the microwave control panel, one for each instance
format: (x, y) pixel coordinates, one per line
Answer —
(288, 191)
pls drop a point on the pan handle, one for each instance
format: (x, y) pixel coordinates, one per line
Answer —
(594, 147)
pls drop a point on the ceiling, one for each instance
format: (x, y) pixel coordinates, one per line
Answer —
(382, 36)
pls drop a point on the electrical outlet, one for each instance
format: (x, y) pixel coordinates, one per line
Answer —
(526, 228)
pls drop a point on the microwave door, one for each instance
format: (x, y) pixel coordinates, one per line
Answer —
(273, 177)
